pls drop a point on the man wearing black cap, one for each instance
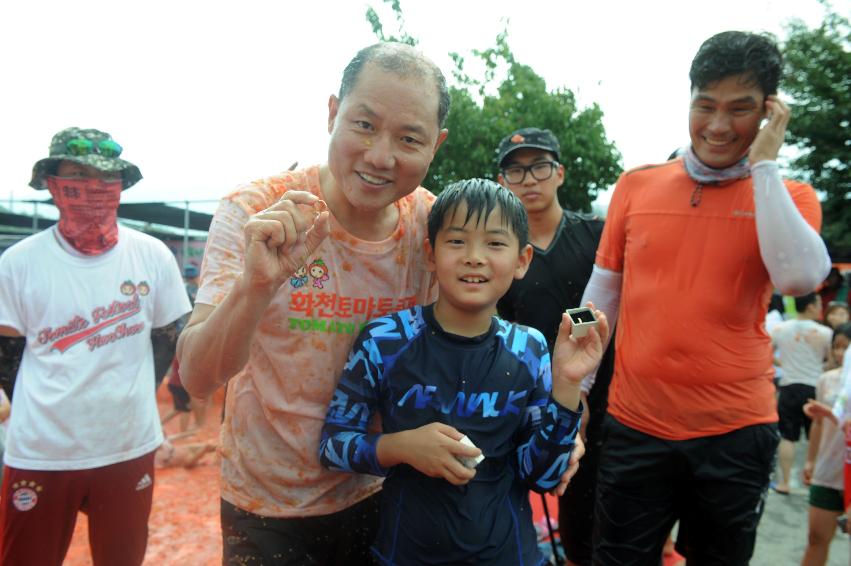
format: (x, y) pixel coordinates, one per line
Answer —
(94, 306)
(564, 244)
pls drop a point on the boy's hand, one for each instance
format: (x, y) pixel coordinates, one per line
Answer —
(572, 467)
(279, 239)
(432, 449)
(770, 137)
(574, 358)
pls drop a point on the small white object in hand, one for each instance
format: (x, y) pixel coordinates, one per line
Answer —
(472, 461)
(581, 319)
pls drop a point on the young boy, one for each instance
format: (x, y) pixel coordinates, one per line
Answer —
(440, 372)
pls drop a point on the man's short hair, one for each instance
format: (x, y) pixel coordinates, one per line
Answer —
(402, 60)
(732, 53)
(482, 197)
(802, 302)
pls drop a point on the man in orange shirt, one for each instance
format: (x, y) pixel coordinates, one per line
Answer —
(690, 252)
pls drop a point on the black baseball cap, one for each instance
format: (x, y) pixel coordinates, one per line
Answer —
(527, 137)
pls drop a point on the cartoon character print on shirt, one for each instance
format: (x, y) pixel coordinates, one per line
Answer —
(128, 288)
(105, 324)
(319, 271)
(299, 278)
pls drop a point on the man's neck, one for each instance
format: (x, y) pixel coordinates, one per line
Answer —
(66, 246)
(543, 225)
(369, 225)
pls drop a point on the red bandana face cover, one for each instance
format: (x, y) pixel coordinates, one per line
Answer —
(88, 212)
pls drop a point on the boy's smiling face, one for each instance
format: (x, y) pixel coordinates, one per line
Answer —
(475, 262)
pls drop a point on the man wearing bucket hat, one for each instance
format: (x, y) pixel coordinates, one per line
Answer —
(564, 244)
(95, 304)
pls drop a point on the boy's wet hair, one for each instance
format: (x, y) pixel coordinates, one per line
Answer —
(729, 53)
(482, 197)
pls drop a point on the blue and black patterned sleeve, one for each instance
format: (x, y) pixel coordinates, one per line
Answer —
(345, 444)
(548, 432)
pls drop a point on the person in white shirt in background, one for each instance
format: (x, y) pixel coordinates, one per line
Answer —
(803, 345)
(88, 316)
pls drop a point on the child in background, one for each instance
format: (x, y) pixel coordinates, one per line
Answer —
(836, 313)
(438, 373)
(823, 470)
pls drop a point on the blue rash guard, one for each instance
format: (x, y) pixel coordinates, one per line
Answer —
(495, 388)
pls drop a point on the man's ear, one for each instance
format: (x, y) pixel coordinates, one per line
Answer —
(441, 137)
(560, 174)
(523, 261)
(333, 107)
(429, 256)
(501, 180)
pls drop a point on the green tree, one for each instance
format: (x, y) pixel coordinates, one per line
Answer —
(484, 110)
(818, 80)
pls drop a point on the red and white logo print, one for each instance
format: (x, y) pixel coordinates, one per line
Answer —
(25, 495)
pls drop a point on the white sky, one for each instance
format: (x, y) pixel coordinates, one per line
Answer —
(204, 95)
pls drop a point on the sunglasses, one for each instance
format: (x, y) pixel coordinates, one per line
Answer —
(83, 146)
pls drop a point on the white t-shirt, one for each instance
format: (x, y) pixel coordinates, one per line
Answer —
(802, 347)
(84, 395)
(829, 467)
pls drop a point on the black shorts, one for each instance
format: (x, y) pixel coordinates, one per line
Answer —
(179, 397)
(715, 486)
(790, 409)
(344, 537)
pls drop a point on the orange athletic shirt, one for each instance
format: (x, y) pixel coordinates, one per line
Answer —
(693, 357)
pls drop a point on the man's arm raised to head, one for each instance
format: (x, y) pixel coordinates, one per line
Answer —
(794, 254)
(215, 344)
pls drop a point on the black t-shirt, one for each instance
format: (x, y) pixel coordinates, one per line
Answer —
(555, 282)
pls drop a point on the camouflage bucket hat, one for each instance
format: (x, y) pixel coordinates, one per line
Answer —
(87, 147)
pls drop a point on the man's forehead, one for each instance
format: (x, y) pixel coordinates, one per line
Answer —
(527, 155)
(730, 87)
(420, 81)
(65, 166)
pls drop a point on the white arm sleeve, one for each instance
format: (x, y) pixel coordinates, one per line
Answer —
(793, 253)
(604, 290)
